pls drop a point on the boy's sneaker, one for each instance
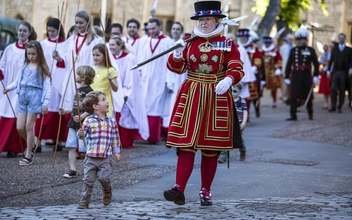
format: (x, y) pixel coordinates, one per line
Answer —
(70, 174)
(25, 161)
(83, 205)
(242, 155)
(107, 198)
(223, 157)
(175, 195)
(205, 197)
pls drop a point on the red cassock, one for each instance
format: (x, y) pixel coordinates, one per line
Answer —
(201, 119)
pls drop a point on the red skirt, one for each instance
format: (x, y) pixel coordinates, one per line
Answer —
(50, 126)
(324, 85)
(10, 140)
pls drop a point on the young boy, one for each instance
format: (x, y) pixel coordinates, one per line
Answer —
(103, 142)
(242, 114)
(85, 76)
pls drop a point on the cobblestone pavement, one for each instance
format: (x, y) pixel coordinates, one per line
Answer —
(25, 190)
(320, 206)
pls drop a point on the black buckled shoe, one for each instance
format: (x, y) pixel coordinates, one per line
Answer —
(205, 197)
(175, 195)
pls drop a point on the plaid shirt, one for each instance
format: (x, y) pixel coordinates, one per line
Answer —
(101, 135)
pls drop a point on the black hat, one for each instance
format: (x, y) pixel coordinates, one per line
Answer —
(243, 33)
(267, 39)
(206, 9)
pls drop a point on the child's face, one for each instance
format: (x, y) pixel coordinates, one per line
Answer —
(32, 55)
(103, 105)
(235, 92)
(98, 57)
(79, 79)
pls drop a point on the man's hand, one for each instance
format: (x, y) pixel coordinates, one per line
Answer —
(178, 51)
(287, 81)
(223, 86)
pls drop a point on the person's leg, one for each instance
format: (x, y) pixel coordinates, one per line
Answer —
(207, 169)
(342, 88)
(90, 174)
(154, 128)
(30, 133)
(333, 94)
(310, 109)
(326, 100)
(21, 124)
(184, 170)
(104, 172)
(273, 95)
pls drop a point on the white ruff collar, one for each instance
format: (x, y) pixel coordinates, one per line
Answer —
(215, 32)
(270, 48)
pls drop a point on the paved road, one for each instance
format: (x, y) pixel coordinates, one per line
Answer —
(281, 178)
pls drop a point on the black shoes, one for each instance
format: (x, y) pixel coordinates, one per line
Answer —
(332, 110)
(175, 195)
(291, 119)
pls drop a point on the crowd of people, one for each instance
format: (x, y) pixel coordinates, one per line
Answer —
(79, 91)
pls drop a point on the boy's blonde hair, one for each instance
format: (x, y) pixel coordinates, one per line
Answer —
(91, 99)
(86, 72)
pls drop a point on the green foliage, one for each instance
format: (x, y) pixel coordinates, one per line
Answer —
(291, 10)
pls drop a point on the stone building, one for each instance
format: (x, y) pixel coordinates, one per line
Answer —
(38, 12)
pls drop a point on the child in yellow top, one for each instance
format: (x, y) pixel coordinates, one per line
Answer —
(105, 78)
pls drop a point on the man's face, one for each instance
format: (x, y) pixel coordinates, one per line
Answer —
(176, 31)
(342, 39)
(132, 29)
(115, 31)
(153, 29)
(243, 39)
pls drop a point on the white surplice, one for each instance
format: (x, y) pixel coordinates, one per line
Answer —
(85, 57)
(57, 74)
(11, 62)
(249, 75)
(153, 76)
(133, 114)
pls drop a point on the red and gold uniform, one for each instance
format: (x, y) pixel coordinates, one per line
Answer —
(272, 61)
(201, 119)
(255, 57)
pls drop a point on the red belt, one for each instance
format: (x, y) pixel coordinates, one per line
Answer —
(302, 67)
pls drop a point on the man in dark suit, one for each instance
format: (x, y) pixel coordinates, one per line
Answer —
(298, 74)
(339, 69)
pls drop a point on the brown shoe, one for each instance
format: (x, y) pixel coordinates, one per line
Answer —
(83, 205)
(107, 198)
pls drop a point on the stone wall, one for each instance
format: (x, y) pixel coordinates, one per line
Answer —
(38, 11)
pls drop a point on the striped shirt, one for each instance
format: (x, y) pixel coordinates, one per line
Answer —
(241, 106)
(101, 135)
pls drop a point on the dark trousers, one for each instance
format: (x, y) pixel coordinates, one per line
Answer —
(338, 83)
(294, 105)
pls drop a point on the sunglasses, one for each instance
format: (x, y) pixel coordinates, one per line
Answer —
(235, 91)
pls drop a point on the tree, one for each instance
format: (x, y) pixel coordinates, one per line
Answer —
(286, 13)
